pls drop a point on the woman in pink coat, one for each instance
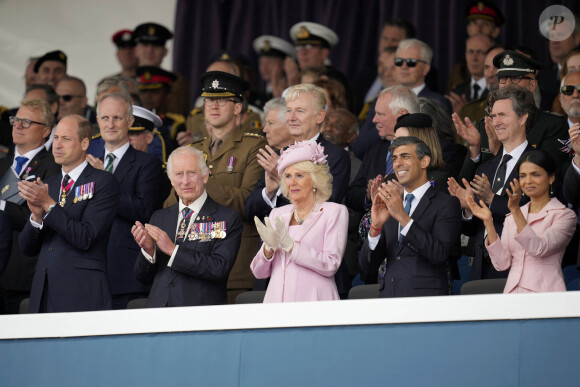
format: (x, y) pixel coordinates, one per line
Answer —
(535, 235)
(305, 241)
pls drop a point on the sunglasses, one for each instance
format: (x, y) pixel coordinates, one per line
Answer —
(569, 89)
(69, 97)
(411, 62)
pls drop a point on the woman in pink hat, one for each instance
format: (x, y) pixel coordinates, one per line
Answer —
(305, 240)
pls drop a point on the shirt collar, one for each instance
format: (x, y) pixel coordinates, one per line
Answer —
(75, 173)
(418, 89)
(517, 152)
(196, 205)
(419, 192)
(119, 152)
(30, 154)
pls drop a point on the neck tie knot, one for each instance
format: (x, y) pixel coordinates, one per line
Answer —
(20, 161)
(409, 198)
(476, 89)
(183, 225)
(110, 161)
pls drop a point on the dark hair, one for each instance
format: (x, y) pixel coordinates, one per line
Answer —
(51, 96)
(545, 161)
(403, 24)
(522, 101)
(421, 149)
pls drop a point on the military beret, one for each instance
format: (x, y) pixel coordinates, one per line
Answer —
(152, 78)
(123, 38)
(220, 84)
(512, 63)
(415, 120)
(57, 56)
(313, 33)
(152, 33)
(144, 120)
(484, 10)
(268, 45)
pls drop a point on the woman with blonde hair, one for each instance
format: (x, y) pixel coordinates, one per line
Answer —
(305, 241)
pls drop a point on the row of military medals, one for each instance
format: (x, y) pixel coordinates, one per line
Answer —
(202, 231)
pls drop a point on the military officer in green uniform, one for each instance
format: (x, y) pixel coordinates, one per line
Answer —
(231, 155)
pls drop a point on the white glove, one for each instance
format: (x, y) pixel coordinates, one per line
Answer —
(286, 243)
(267, 233)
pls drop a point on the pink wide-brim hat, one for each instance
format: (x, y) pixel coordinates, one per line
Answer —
(301, 151)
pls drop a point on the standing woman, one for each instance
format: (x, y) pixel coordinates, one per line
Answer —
(534, 236)
(304, 244)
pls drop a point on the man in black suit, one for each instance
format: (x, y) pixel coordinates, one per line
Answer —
(140, 180)
(413, 63)
(411, 235)
(476, 48)
(69, 227)
(5, 239)
(305, 114)
(188, 249)
(512, 115)
(393, 102)
(31, 127)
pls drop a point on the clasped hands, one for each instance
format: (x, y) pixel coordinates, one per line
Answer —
(36, 195)
(274, 237)
(388, 201)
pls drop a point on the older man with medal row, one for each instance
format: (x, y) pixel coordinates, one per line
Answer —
(70, 236)
(188, 249)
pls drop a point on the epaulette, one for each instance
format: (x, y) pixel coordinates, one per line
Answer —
(197, 141)
(195, 111)
(98, 135)
(177, 118)
(252, 135)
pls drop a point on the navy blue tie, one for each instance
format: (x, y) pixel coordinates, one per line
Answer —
(389, 164)
(409, 198)
(20, 161)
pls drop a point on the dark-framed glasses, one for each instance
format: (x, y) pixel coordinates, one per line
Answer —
(513, 79)
(569, 89)
(221, 101)
(69, 97)
(411, 62)
(24, 122)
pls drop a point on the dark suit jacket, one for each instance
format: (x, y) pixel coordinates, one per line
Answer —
(482, 267)
(339, 165)
(428, 93)
(374, 163)
(140, 177)
(367, 134)
(5, 239)
(418, 267)
(72, 247)
(571, 186)
(465, 89)
(200, 270)
(18, 273)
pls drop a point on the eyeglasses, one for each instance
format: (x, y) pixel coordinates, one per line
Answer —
(24, 122)
(411, 62)
(220, 101)
(69, 97)
(513, 79)
(569, 89)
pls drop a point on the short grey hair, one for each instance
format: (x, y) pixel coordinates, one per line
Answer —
(563, 81)
(278, 105)
(118, 97)
(402, 98)
(426, 51)
(107, 83)
(187, 150)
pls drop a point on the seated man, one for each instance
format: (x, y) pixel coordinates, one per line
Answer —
(188, 249)
(411, 244)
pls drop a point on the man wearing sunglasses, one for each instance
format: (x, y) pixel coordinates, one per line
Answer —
(31, 126)
(72, 94)
(413, 63)
(514, 68)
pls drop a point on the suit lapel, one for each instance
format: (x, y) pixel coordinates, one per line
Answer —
(308, 222)
(423, 203)
(125, 164)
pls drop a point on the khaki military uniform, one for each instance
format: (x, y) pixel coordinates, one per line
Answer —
(196, 123)
(230, 185)
(179, 102)
(475, 110)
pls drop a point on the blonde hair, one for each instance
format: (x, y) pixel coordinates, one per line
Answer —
(43, 107)
(321, 180)
(429, 137)
(318, 94)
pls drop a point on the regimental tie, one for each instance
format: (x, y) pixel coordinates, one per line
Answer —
(499, 180)
(389, 164)
(186, 214)
(110, 161)
(409, 200)
(476, 89)
(20, 161)
(65, 188)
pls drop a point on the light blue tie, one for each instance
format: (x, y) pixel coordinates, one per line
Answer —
(20, 161)
(409, 198)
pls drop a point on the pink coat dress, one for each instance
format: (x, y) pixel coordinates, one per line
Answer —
(534, 256)
(306, 274)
